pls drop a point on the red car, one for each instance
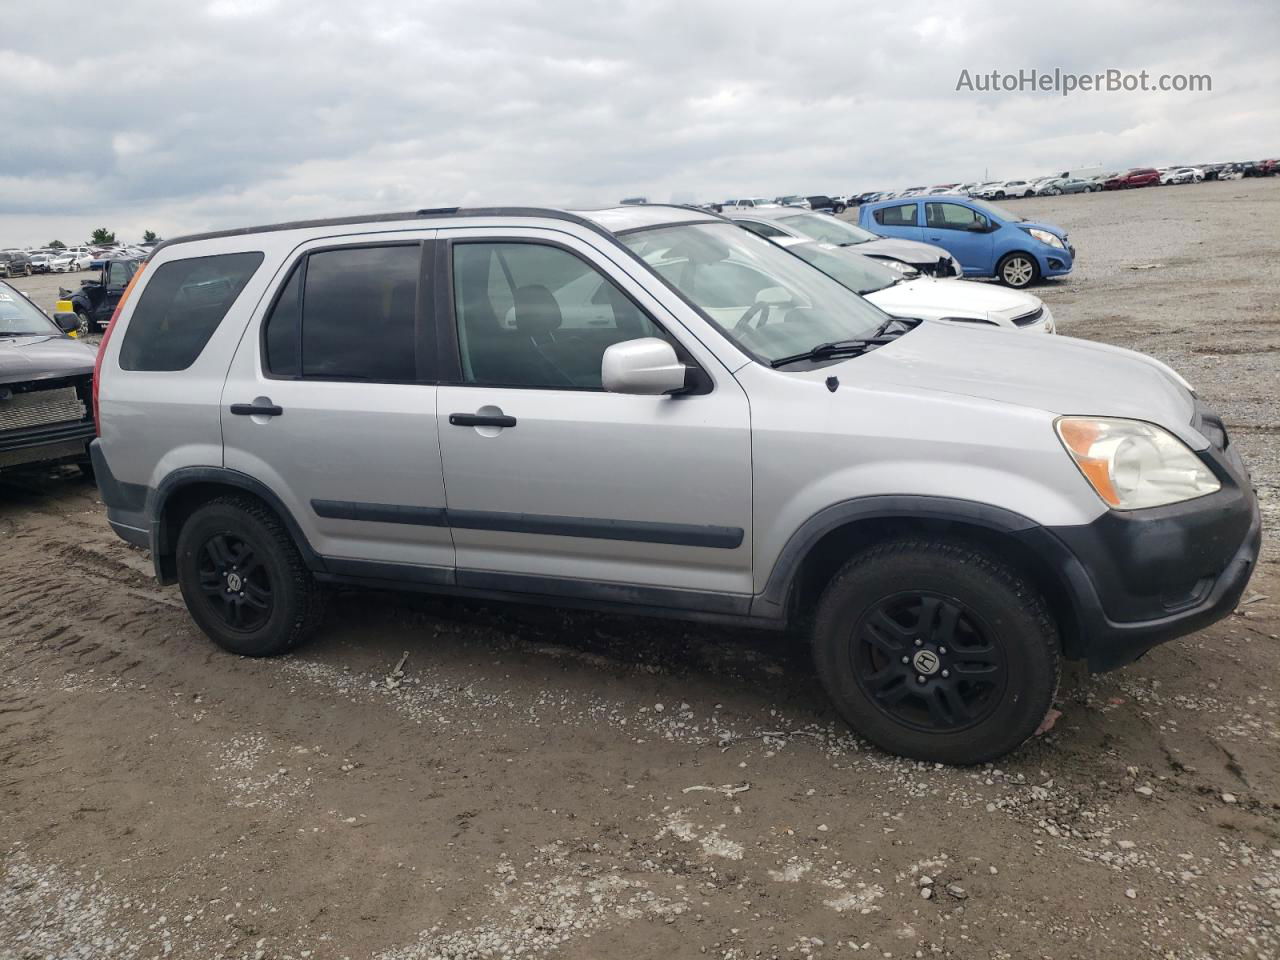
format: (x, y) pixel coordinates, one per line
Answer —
(1137, 177)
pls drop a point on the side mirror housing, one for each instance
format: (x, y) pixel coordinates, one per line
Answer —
(67, 322)
(647, 367)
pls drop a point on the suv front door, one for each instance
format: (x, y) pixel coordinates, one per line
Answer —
(331, 402)
(556, 486)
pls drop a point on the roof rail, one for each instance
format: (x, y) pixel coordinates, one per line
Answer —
(426, 212)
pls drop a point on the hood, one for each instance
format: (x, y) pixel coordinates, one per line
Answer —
(44, 358)
(909, 251)
(1061, 375)
(951, 297)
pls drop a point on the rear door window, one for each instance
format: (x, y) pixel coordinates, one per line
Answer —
(902, 215)
(180, 308)
(349, 314)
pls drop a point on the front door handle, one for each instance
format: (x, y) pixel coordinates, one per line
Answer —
(256, 409)
(480, 420)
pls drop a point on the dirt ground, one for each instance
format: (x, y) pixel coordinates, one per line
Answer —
(541, 783)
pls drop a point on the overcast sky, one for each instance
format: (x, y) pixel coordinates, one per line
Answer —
(182, 116)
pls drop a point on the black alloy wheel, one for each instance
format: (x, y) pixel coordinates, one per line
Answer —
(928, 662)
(235, 583)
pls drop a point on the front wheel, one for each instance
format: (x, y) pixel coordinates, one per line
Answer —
(1018, 270)
(84, 326)
(936, 651)
(999, 194)
(243, 579)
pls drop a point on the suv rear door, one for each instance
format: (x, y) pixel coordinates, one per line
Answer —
(331, 402)
(561, 487)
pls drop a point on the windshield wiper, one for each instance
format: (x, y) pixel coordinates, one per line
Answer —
(851, 348)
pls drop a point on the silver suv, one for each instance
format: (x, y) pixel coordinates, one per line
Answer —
(650, 409)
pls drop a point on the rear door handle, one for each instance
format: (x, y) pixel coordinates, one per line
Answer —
(256, 409)
(480, 420)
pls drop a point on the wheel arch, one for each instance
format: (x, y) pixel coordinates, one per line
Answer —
(181, 494)
(821, 546)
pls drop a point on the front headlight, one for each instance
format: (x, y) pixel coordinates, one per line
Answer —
(1047, 238)
(1132, 464)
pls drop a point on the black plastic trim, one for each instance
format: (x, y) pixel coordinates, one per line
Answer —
(598, 591)
(29, 437)
(778, 587)
(636, 531)
(256, 410)
(380, 513)
(478, 420)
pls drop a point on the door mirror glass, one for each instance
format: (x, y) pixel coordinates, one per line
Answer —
(648, 367)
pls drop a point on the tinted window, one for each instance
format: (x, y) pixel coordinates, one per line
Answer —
(357, 308)
(903, 215)
(280, 342)
(535, 315)
(180, 308)
(760, 229)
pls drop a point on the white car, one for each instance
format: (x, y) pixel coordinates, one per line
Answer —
(911, 295)
(1182, 175)
(68, 262)
(1004, 189)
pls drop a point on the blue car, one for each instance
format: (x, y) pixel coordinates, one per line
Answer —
(988, 240)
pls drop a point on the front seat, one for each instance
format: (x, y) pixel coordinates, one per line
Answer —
(538, 317)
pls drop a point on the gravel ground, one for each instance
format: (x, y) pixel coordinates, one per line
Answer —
(538, 783)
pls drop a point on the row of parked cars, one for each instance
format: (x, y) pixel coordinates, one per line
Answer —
(655, 410)
(1092, 182)
(15, 262)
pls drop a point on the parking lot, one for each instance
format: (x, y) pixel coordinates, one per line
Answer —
(448, 778)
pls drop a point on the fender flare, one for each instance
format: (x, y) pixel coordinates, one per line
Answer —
(162, 544)
(772, 602)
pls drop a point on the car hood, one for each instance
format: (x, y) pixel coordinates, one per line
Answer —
(44, 358)
(1061, 375)
(909, 251)
(952, 297)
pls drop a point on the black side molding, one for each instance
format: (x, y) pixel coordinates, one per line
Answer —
(635, 531)
(380, 512)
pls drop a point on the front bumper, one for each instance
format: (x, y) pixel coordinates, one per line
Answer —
(62, 441)
(1142, 577)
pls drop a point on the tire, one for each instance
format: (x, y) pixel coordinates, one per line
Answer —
(243, 579)
(1004, 656)
(1017, 270)
(84, 326)
(999, 194)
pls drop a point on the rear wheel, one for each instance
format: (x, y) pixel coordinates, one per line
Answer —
(1017, 270)
(243, 579)
(936, 651)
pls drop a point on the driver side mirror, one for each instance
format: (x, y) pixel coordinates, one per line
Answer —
(646, 367)
(67, 322)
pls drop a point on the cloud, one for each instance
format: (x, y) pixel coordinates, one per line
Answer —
(182, 117)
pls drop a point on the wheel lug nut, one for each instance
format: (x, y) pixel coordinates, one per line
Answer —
(945, 673)
(942, 649)
(919, 642)
(919, 679)
(906, 659)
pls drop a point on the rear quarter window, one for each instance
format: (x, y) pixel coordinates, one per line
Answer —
(181, 307)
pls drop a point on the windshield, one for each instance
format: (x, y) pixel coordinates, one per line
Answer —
(768, 302)
(828, 229)
(18, 317)
(1000, 213)
(860, 274)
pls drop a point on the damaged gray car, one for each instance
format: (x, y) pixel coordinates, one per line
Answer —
(46, 377)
